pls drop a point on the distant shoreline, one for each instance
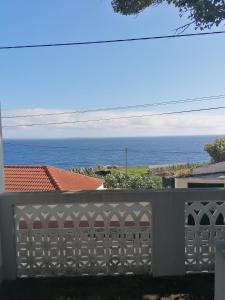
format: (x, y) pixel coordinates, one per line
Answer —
(90, 152)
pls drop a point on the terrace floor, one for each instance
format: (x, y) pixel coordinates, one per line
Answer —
(190, 287)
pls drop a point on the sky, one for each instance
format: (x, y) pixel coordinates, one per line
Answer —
(97, 76)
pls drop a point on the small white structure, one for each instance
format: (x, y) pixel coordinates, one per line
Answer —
(211, 176)
(200, 182)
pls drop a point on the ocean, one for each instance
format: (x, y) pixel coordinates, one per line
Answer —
(88, 152)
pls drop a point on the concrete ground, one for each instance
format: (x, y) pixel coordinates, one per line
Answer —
(191, 287)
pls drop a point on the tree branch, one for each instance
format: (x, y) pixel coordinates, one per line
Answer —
(181, 29)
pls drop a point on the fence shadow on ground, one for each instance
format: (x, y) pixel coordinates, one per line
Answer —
(190, 287)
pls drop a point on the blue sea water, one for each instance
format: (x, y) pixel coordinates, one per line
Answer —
(68, 153)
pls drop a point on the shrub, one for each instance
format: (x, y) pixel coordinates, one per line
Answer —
(216, 150)
(121, 181)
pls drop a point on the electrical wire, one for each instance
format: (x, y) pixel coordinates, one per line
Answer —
(111, 41)
(115, 118)
(163, 103)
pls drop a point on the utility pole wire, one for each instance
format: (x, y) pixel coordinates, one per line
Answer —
(116, 118)
(162, 103)
(110, 41)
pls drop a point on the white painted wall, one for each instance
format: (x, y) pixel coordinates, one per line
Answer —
(101, 187)
(182, 183)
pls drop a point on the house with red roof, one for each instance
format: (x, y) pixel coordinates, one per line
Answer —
(29, 178)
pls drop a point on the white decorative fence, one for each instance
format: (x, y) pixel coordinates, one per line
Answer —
(83, 239)
(162, 233)
(204, 226)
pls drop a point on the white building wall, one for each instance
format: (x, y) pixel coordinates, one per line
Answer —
(182, 183)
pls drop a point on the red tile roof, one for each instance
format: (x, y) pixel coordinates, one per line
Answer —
(46, 178)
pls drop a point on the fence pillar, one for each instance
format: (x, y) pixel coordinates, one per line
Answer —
(8, 242)
(168, 241)
(220, 271)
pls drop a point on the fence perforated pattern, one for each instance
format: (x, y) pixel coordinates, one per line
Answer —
(83, 239)
(204, 225)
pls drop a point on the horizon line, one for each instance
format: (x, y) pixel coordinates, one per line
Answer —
(112, 137)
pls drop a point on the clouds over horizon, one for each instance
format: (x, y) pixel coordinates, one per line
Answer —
(177, 124)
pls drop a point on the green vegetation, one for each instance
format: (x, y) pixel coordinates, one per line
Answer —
(202, 13)
(121, 181)
(138, 177)
(86, 171)
(216, 150)
(176, 170)
(137, 171)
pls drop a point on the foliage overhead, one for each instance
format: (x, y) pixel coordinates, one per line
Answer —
(216, 150)
(202, 13)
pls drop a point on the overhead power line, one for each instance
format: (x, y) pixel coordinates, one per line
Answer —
(116, 118)
(111, 41)
(187, 100)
